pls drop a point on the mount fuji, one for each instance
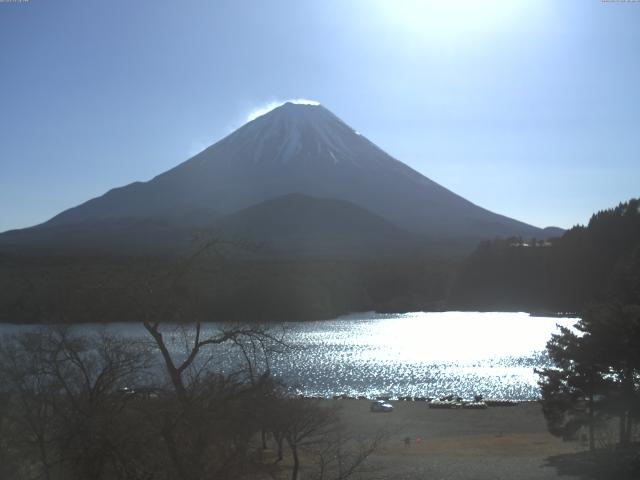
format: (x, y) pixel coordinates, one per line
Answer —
(296, 153)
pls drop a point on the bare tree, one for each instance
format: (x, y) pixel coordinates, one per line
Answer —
(305, 423)
(342, 456)
(65, 395)
(213, 418)
(196, 429)
(75, 407)
(315, 428)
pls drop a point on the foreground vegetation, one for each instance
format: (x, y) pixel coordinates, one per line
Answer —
(75, 407)
(596, 374)
(162, 407)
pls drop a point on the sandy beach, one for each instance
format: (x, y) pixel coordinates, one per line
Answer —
(496, 443)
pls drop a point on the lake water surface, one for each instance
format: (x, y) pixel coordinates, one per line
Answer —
(413, 354)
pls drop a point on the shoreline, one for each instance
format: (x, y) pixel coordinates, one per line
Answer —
(493, 443)
(321, 318)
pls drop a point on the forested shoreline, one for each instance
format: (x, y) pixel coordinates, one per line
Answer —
(560, 275)
(81, 289)
(587, 264)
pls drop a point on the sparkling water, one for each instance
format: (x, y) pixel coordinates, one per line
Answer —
(415, 354)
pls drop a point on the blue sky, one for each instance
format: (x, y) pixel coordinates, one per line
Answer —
(529, 108)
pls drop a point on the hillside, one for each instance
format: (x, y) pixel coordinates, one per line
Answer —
(297, 225)
(598, 262)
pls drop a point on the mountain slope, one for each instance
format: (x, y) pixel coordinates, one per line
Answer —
(298, 149)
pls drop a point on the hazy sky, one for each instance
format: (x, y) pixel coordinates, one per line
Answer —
(527, 108)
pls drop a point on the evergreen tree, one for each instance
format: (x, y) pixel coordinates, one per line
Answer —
(596, 372)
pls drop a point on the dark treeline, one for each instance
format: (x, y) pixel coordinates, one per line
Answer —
(560, 275)
(102, 289)
(104, 407)
(563, 275)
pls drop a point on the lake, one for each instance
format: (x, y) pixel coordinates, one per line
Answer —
(415, 354)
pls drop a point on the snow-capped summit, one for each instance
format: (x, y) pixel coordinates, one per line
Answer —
(273, 105)
(295, 132)
(299, 148)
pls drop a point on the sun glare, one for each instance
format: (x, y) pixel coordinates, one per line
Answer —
(450, 18)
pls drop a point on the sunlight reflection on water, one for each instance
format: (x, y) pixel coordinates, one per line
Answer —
(415, 354)
(420, 354)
